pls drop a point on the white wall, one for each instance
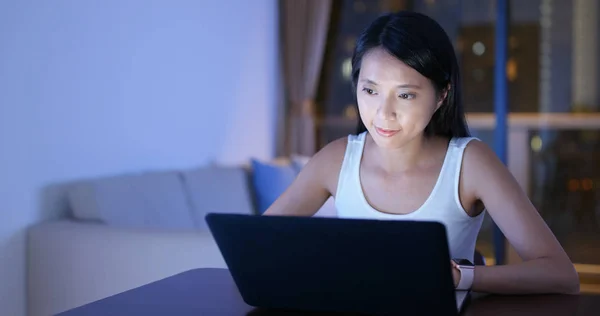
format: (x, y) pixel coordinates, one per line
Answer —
(99, 87)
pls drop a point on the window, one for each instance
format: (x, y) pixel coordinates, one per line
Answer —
(553, 67)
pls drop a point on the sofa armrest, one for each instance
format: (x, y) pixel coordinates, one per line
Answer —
(73, 263)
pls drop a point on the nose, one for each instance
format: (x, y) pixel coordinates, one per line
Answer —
(386, 110)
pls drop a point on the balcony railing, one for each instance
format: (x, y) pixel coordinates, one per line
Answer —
(520, 125)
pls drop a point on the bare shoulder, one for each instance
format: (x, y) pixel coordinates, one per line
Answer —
(484, 173)
(326, 163)
(333, 152)
(478, 154)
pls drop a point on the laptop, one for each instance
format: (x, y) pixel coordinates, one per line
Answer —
(339, 265)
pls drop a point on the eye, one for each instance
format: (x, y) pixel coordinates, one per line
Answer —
(407, 96)
(368, 91)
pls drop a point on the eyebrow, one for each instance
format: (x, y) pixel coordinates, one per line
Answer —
(406, 85)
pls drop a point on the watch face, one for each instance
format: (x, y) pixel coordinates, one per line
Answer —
(463, 262)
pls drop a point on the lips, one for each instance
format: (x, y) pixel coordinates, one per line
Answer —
(386, 132)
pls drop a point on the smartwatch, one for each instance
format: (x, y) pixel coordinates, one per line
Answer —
(467, 271)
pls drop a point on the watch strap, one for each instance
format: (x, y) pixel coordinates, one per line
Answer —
(467, 274)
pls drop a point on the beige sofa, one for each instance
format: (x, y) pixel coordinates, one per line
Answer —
(128, 230)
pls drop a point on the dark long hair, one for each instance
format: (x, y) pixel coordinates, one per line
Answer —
(422, 44)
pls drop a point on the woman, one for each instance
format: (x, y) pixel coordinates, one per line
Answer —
(412, 158)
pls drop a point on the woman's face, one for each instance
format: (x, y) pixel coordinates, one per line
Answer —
(395, 101)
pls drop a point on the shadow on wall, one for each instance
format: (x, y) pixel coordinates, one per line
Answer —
(53, 202)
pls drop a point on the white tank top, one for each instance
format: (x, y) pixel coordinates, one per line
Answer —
(443, 204)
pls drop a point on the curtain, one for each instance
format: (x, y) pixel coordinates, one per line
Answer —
(303, 29)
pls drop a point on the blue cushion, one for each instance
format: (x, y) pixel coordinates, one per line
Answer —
(270, 181)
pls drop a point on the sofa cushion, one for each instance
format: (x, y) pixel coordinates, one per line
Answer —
(215, 189)
(270, 180)
(154, 199)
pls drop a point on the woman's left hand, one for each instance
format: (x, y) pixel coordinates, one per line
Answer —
(455, 273)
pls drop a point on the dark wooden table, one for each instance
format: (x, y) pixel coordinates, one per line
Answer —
(212, 292)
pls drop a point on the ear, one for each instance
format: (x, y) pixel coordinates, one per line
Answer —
(442, 97)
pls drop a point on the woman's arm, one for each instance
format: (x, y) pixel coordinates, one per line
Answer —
(546, 268)
(313, 185)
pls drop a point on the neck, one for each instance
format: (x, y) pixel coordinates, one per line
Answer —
(404, 158)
